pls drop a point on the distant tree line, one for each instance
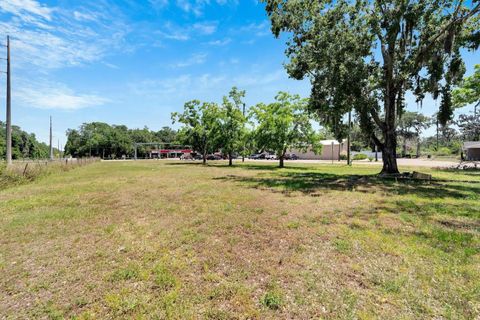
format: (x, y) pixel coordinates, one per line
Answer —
(24, 145)
(98, 139)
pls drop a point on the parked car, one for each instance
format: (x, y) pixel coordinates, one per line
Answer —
(186, 156)
(258, 156)
(197, 156)
(213, 157)
(271, 157)
(291, 156)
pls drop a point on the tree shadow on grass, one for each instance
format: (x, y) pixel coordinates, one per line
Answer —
(316, 183)
(269, 166)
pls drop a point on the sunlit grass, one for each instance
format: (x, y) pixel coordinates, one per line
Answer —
(176, 240)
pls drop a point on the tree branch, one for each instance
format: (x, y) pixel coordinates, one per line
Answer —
(442, 31)
(377, 119)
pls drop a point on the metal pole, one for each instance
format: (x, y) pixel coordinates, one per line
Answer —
(332, 152)
(51, 140)
(9, 107)
(348, 137)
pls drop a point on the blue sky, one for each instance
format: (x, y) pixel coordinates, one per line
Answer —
(133, 62)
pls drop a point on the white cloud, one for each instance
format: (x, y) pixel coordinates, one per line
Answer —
(158, 4)
(56, 96)
(188, 86)
(205, 28)
(175, 32)
(219, 42)
(47, 37)
(25, 9)
(197, 7)
(197, 58)
(84, 16)
(258, 29)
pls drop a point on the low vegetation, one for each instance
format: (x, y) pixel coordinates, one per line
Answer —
(21, 172)
(177, 240)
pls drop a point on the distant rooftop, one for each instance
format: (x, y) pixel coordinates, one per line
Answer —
(471, 144)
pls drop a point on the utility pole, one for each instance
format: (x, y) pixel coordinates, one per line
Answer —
(51, 140)
(9, 107)
(348, 136)
(243, 153)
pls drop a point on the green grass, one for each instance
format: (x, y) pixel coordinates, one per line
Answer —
(177, 240)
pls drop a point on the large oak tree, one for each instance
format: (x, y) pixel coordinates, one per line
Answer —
(367, 54)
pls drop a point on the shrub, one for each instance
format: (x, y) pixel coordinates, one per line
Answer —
(343, 155)
(360, 156)
(444, 151)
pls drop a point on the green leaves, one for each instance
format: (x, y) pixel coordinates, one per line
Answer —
(284, 124)
(469, 91)
(201, 125)
(232, 122)
(366, 55)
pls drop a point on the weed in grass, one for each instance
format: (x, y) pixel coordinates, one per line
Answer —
(122, 302)
(451, 240)
(393, 285)
(52, 312)
(80, 302)
(216, 314)
(129, 273)
(342, 245)
(273, 297)
(272, 300)
(293, 225)
(164, 278)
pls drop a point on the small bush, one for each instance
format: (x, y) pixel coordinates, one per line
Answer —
(444, 151)
(343, 155)
(360, 156)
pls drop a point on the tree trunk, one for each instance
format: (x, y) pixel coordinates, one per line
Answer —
(204, 157)
(418, 146)
(281, 165)
(389, 153)
(230, 159)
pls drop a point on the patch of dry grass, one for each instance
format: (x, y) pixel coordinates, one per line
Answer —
(165, 240)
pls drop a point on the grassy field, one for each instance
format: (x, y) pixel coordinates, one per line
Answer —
(171, 240)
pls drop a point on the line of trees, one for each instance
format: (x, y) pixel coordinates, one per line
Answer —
(24, 145)
(98, 139)
(275, 127)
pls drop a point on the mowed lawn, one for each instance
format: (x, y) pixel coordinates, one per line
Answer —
(177, 240)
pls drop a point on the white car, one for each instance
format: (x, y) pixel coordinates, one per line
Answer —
(271, 157)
